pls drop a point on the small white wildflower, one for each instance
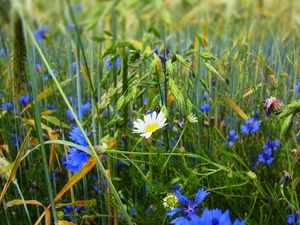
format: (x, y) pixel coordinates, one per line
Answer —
(170, 201)
(192, 118)
(150, 124)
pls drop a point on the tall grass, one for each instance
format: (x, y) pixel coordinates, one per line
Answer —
(169, 56)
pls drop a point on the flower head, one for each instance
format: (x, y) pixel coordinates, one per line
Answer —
(77, 136)
(170, 201)
(205, 107)
(297, 88)
(217, 217)
(273, 105)
(192, 118)
(293, 218)
(151, 123)
(76, 159)
(232, 137)
(189, 211)
(251, 126)
(41, 33)
(269, 148)
(25, 99)
(109, 63)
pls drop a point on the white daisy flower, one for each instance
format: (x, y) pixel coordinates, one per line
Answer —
(170, 201)
(151, 123)
(192, 118)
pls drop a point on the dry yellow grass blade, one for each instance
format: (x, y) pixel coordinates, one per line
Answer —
(236, 108)
(84, 170)
(16, 164)
(64, 222)
(32, 123)
(47, 212)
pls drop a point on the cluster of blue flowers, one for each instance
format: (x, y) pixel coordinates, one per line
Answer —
(76, 158)
(293, 218)
(269, 148)
(232, 137)
(6, 106)
(189, 212)
(297, 88)
(84, 109)
(47, 76)
(5, 52)
(40, 33)
(205, 107)
(109, 63)
(25, 99)
(163, 56)
(69, 212)
(251, 127)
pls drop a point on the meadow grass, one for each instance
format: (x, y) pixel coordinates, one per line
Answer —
(76, 77)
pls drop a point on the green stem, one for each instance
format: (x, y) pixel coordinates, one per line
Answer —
(92, 150)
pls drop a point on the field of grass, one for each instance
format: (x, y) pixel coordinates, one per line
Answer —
(180, 112)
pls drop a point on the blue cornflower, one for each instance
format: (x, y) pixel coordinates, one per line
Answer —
(4, 52)
(205, 107)
(76, 159)
(120, 163)
(50, 107)
(232, 137)
(217, 217)
(25, 99)
(47, 76)
(69, 114)
(70, 27)
(251, 126)
(68, 210)
(74, 67)
(6, 106)
(273, 145)
(77, 136)
(292, 218)
(84, 108)
(41, 33)
(297, 88)
(189, 212)
(298, 138)
(269, 148)
(132, 212)
(109, 63)
(79, 209)
(145, 100)
(163, 56)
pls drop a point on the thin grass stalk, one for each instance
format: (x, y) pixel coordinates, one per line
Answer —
(93, 152)
(22, 198)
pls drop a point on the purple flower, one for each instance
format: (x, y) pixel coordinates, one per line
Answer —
(4, 52)
(251, 126)
(205, 107)
(189, 211)
(77, 136)
(232, 137)
(217, 217)
(297, 88)
(6, 106)
(41, 33)
(25, 99)
(269, 148)
(109, 63)
(76, 159)
(293, 218)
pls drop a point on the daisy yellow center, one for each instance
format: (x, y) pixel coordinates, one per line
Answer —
(151, 127)
(172, 201)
